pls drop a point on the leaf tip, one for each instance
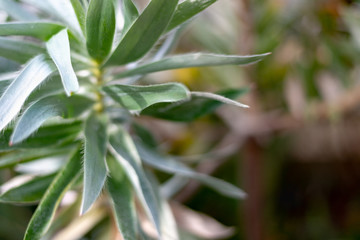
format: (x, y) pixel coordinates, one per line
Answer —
(83, 210)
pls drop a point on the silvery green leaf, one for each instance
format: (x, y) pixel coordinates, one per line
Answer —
(121, 193)
(41, 30)
(191, 60)
(45, 108)
(139, 97)
(152, 158)
(124, 151)
(46, 136)
(94, 160)
(34, 73)
(144, 32)
(45, 212)
(18, 50)
(28, 192)
(14, 158)
(16, 11)
(186, 10)
(61, 10)
(59, 50)
(51, 86)
(100, 28)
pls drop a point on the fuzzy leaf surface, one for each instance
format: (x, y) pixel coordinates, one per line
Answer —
(94, 160)
(59, 50)
(45, 212)
(124, 151)
(29, 192)
(100, 28)
(50, 135)
(51, 86)
(144, 32)
(45, 108)
(191, 60)
(41, 30)
(14, 158)
(34, 73)
(120, 190)
(139, 97)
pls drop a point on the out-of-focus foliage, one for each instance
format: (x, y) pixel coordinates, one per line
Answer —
(300, 139)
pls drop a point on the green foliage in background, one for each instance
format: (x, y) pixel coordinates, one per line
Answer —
(73, 100)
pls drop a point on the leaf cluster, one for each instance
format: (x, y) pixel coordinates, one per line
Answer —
(66, 95)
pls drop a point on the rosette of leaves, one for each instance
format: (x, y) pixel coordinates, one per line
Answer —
(71, 94)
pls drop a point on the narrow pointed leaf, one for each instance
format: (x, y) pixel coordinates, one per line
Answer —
(139, 97)
(80, 13)
(125, 153)
(144, 32)
(51, 86)
(94, 160)
(18, 50)
(29, 192)
(120, 190)
(41, 30)
(65, 216)
(14, 158)
(130, 14)
(45, 212)
(167, 164)
(50, 135)
(16, 11)
(191, 60)
(36, 71)
(186, 10)
(61, 10)
(59, 50)
(168, 224)
(100, 28)
(191, 109)
(45, 108)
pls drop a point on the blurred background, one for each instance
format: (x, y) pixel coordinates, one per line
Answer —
(296, 151)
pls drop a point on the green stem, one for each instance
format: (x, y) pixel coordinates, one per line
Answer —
(99, 105)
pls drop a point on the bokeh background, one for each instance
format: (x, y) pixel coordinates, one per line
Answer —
(296, 151)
